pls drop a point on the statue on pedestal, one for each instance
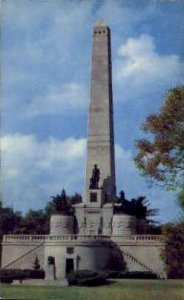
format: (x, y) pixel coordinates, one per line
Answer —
(95, 178)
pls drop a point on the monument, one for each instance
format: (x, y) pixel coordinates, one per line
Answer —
(100, 142)
(96, 232)
(100, 189)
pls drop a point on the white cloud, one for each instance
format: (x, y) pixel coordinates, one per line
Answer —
(47, 33)
(46, 60)
(142, 69)
(49, 30)
(70, 97)
(32, 171)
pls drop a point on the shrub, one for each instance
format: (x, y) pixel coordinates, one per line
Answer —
(6, 280)
(130, 274)
(87, 278)
(173, 253)
(112, 273)
(8, 275)
(138, 275)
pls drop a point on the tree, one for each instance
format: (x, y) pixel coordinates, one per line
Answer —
(181, 197)
(35, 222)
(173, 252)
(161, 157)
(9, 220)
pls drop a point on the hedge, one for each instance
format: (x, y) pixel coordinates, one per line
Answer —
(8, 275)
(130, 274)
(87, 278)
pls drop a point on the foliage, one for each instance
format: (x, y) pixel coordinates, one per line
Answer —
(181, 196)
(35, 221)
(173, 253)
(10, 221)
(130, 274)
(86, 278)
(161, 157)
(8, 275)
(138, 275)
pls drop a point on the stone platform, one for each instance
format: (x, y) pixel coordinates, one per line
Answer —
(140, 252)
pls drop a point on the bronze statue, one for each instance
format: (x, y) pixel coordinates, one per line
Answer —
(95, 178)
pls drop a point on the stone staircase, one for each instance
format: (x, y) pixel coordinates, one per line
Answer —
(26, 260)
(135, 264)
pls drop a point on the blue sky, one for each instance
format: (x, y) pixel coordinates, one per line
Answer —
(46, 59)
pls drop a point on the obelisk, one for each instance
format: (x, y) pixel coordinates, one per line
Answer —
(100, 141)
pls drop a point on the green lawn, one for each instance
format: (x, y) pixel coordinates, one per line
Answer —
(118, 290)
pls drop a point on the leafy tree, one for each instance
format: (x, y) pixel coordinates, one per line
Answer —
(161, 157)
(173, 252)
(35, 222)
(9, 220)
(181, 196)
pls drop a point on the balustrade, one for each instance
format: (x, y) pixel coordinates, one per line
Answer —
(52, 238)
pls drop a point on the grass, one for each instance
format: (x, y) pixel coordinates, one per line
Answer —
(117, 290)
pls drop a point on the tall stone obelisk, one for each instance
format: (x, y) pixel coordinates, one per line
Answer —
(100, 143)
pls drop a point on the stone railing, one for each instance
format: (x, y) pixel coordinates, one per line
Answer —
(138, 238)
(51, 238)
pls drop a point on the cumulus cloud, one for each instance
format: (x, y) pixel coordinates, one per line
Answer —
(46, 66)
(32, 171)
(53, 34)
(142, 69)
(70, 97)
(42, 57)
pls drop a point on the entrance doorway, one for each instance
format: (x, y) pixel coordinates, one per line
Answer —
(69, 265)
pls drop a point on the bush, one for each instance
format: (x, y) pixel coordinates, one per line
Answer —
(173, 253)
(137, 275)
(87, 278)
(112, 273)
(8, 275)
(132, 274)
(6, 280)
(94, 278)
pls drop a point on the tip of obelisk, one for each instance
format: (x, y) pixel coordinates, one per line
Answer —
(100, 23)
